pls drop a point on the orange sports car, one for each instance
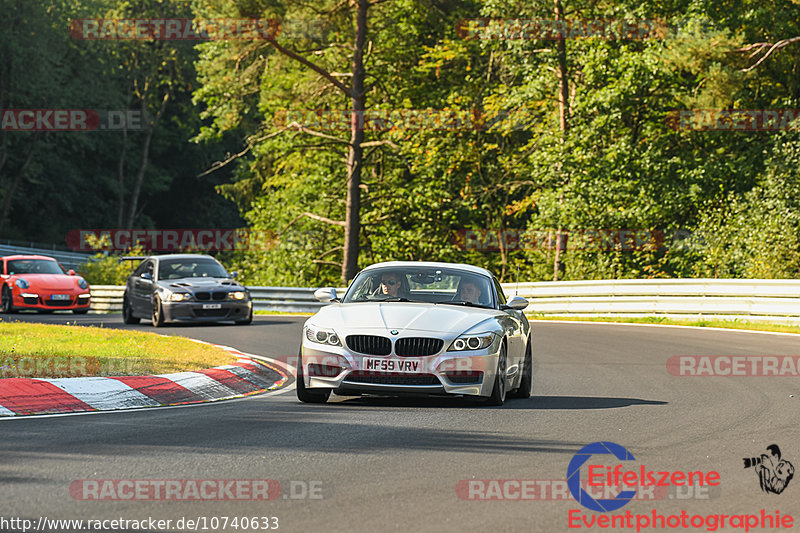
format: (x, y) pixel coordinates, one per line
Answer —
(40, 282)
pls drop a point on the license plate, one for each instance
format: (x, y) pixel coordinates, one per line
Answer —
(60, 297)
(405, 366)
(212, 306)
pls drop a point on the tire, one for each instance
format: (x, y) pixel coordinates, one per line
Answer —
(245, 321)
(79, 311)
(305, 395)
(127, 311)
(6, 301)
(498, 396)
(526, 385)
(158, 313)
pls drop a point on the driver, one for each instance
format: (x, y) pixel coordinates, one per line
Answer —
(470, 291)
(390, 284)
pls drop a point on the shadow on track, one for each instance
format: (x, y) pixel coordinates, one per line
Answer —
(533, 403)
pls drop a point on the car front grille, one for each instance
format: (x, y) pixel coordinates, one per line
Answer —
(369, 344)
(360, 376)
(210, 313)
(220, 295)
(202, 296)
(417, 346)
(57, 303)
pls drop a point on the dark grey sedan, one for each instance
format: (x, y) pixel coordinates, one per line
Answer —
(185, 288)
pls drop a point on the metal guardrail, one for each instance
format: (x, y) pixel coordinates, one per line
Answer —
(746, 299)
(108, 298)
(772, 300)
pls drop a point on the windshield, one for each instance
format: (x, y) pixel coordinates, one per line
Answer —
(434, 285)
(34, 266)
(190, 268)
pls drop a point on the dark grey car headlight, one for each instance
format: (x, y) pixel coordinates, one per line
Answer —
(169, 296)
(471, 342)
(237, 295)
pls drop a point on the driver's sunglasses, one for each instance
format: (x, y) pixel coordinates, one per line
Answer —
(390, 282)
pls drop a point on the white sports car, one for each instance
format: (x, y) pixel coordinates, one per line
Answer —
(417, 328)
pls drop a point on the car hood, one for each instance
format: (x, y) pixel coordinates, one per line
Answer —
(53, 282)
(200, 284)
(401, 316)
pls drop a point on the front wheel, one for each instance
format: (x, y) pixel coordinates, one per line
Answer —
(498, 396)
(7, 301)
(158, 313)
(526, 384)
(127, 311)
(305, 395)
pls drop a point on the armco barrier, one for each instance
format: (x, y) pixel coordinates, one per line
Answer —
(774, 300)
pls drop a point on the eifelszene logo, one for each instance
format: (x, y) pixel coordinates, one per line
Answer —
(611, 479)
(774, 473)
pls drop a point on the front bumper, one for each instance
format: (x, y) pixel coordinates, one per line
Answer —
(43, 300)
(195, 312)
(468, 373)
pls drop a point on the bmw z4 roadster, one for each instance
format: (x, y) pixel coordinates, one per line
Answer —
(417, 328)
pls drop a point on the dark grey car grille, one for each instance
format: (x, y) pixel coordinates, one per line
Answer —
(417, 346)
(369, 344)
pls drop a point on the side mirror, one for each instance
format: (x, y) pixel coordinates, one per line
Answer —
(326, 294)
(147, 275)
(234, 275)
(516, 302)
(71, 272)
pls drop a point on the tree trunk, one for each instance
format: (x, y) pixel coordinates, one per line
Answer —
(121, 179)
(356, 152)
(145, 160)
(563, 116)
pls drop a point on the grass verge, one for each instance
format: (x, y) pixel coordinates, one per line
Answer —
(52, 351)
(725, 324)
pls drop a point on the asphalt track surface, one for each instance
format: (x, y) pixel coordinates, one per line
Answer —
(394, 464)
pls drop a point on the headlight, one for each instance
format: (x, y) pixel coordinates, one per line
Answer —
(169, 296)
(238, 295)
(322, 336)
(82, 284)
(471, 342)
(22, 284)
